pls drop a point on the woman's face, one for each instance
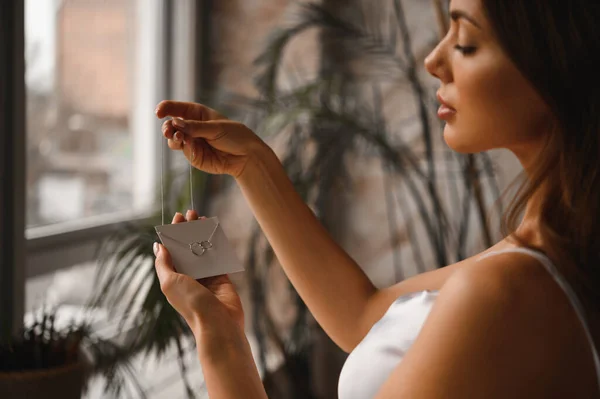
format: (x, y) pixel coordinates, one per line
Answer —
(491, 104)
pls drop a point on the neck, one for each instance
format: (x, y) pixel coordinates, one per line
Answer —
(529, 228)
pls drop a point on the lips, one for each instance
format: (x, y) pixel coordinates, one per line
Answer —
(443, 102)
(445, 111)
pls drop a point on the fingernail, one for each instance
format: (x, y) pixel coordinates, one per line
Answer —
(178, 136)
(179, 122)
(155, 247)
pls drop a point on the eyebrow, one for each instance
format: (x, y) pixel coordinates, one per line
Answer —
(458, 14)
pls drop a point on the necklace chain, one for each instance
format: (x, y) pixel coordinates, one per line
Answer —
(213, 233)
(162, 183)
(205, 244)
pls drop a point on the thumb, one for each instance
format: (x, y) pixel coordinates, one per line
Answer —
(164, 266)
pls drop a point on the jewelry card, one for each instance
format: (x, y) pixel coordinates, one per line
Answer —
(199, 248)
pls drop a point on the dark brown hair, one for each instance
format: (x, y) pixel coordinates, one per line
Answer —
(554, 45)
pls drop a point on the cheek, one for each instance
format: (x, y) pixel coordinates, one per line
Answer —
(497, 108)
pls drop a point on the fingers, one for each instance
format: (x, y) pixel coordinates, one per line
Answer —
(178, 218)
(176, 139)
(186, 110)
(177, 142)
(175, 145)
(167, 129)
(208, 130)
(214, 280)
(191, 215)
(176, 132)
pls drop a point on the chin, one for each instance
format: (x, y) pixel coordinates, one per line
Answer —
(461, 143)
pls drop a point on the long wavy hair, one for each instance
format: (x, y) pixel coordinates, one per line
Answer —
(554, 45)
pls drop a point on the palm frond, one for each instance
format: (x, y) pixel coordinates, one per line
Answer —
(359, 44)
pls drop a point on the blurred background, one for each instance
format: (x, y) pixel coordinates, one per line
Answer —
(336, 87)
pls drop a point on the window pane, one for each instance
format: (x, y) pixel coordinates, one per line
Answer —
(79, 57)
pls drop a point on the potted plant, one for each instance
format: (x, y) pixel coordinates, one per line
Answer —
(51, 358)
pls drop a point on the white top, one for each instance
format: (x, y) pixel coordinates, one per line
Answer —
(370, 364)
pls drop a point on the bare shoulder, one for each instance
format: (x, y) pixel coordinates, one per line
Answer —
(487, 335)
(510, 276)
(544, 322)
(437, 278)
(514, 286)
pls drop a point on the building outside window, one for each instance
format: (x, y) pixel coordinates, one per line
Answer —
(80, 56)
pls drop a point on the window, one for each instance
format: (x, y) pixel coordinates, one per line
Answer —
(92, 81)
(94, 72)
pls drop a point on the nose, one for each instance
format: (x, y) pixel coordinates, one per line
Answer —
(435, 64)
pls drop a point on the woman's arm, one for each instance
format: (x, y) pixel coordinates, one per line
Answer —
(228, 366)
(329, 281)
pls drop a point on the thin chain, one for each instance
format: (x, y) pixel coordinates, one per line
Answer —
(191, 179)
(162, 201)
(162, 185)
(211, 235)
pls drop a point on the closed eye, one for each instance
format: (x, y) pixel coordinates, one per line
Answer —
(465, 50)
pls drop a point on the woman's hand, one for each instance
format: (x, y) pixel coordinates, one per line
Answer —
(210, 306)
(210, 141)
(213, 310)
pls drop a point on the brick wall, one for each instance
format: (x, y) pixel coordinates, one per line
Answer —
(93, 56)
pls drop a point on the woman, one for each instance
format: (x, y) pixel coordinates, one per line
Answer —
(515, 321)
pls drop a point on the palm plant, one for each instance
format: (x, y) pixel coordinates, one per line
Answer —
(340, 114)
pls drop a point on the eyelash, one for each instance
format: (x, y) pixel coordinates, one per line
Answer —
(465, 50)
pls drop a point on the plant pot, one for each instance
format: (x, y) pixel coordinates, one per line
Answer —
(64, 382)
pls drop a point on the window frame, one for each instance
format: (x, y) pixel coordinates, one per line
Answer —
(12, 167)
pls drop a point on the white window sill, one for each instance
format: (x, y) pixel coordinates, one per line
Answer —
(54, 247)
